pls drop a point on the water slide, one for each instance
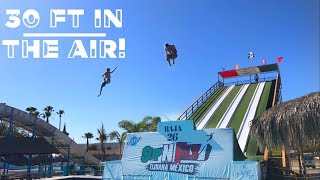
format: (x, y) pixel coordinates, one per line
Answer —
(51, 134)
(225, 120)
(202, 123)
(244, 130)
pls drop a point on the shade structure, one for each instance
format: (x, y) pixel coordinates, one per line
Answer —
(249, 71)
(24, 145)
(294, 124)
(52, 135)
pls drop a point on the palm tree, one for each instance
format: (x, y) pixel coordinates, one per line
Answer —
(65, 130)
(88, 136)
(120, 138)
(130, 126)
(47, 112)
(36, 113)
(3, 129)
(60, 112)
(151, 123)
(147, 124)
(32, 110)
(102, 139)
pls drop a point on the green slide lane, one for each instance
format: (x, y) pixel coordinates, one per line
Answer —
(262, 106)
(238, 116)
(201, 111)
(215, 118)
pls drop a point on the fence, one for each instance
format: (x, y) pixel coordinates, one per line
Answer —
(200, 101)
(38, 172)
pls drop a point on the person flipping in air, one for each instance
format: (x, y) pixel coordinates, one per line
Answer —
(171, 53)
(107, 78)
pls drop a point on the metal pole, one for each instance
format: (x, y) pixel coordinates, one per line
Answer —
(62, 164)
(4, 159)
(4, 166)
(8, 143)
(84, 169)
(33, 137)
(10, 126)
(51, 159)
(45, 166)
(68, 163)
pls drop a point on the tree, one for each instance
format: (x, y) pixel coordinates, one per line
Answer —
(47, 112)
(65, 130)
(147, 124)
(93, 147)
(16, 132)
(130, 126)
(32, 110)
(3, 129)
(102, 139)
(115, 135)
(60, 112)
(36, 113)
(151, 123)
(88, 136)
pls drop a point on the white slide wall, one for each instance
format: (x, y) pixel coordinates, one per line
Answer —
(225, 120)
(202, 123)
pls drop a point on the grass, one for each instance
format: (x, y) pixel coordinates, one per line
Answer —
(254, 158)
(262, 106)
(199, 113)
(215, 118)
(242, 108)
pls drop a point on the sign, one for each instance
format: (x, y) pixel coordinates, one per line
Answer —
(178, 151)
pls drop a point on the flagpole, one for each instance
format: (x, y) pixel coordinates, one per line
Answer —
(249, 65)
(250, 56)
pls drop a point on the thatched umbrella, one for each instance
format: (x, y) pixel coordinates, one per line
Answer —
(294, 124)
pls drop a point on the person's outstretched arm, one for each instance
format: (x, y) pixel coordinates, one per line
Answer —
(114, 69)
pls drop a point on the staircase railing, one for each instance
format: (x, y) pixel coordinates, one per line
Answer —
(200, 101)
(277, 92)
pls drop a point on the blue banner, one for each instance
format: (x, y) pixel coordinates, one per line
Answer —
(178, 151)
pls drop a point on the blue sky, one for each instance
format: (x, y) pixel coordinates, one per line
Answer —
(207, 34)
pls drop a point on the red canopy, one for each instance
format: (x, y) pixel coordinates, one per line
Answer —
(227, 74)
(249, 70)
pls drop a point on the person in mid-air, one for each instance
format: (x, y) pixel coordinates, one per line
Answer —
(171, 53)
(107, 78)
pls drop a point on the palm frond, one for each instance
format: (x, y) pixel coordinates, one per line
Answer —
(294, 124)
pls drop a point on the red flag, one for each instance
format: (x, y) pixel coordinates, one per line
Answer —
(264, 62)
(279, 60)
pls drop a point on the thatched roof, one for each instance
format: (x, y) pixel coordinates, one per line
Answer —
(294, 124)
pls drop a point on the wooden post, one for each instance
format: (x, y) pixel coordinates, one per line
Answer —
(266, 154)
(283, 153)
